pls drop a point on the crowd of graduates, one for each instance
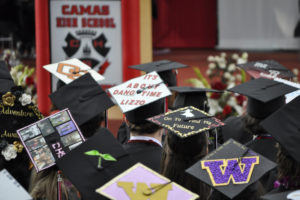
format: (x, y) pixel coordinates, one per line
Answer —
(253, 156)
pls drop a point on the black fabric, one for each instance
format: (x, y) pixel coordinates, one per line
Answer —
(6, 81)
(147, 153)
(84, 97)
(277, 194)
(82, 170)
(123, 134)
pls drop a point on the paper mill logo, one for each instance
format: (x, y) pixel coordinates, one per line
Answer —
(89, 47)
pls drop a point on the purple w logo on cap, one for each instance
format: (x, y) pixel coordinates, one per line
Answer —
(221, 171)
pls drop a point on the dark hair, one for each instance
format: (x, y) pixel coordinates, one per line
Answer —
(288, 168)
(143, 127)
(252, 125)
(178, 155)
(89, 128)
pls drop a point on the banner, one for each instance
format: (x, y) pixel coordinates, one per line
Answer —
(89, 31)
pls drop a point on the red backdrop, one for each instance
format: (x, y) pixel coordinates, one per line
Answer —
(185, 24)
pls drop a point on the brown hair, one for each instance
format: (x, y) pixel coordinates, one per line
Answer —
(143, 128)
(178, 155)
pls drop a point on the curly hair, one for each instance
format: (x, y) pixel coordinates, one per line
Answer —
(178, 155)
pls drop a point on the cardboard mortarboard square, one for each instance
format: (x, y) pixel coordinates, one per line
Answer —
(263, 89)
(158, 66)
(284, 126)
(81, 165)
(191, 96)
(139, 92)
(140, 182)
(84, 97)
(164, 68)
(267, 69)
(10, 188)
(69, 70)
(231, 168)
(288, 195)
(6, 81)
(186, 121)
(50, 138)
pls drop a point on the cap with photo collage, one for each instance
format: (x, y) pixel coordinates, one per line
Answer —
(231, 168)
(266, 68)
(6, 81)
(164, 68)
(140, 182)
(264, 96)
(186, 121)
(84, 97)
(191, 96)
(284, 126)
(94, 163)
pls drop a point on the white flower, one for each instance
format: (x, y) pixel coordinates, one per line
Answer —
(231, 67)
(217, 58)
(25, 99)
(227, 75)
(241, 61)
(235, 56)
(214, 106)
(223, 54)
(222, 65)
(208, 72)
(296, 71)
(212, 65)
(210, 59)
(9, 152)
(232, 78)
(245, 55)
(238, 77)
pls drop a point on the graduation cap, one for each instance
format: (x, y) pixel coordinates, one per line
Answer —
(140, 182)
(231, 168)
(186, 121)
(190, 96)
(6, 81)
(284, 126)
(264, 96)
(267, 69)
(84, 97)
(288, 195)
(164, 69)
(94, 163)
(141, 97)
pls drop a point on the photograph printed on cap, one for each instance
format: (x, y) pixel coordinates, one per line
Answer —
(50, 138)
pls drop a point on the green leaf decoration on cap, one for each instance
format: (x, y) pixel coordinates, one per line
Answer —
(107, 157)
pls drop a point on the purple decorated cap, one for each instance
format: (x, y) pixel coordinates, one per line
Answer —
(231, 168)
(140, 182)
(187, 121)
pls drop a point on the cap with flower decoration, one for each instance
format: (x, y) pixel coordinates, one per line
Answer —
(266, 69)
(264, 95)
(231, 168)
(164, 68)
(148, 184)
(186, 121)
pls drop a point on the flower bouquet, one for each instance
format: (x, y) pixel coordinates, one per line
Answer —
(222, 73)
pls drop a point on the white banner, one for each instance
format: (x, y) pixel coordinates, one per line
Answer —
(139, 91)
(90, 31)
(257, 24)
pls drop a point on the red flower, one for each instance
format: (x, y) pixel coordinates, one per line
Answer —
(240, 99)
(227, 110)
(29, 81)
(218, 85)
(215, 95)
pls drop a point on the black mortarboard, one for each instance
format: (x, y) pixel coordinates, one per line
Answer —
(288, 195)
(264, 96)
(266, 68)
(284, 126)
(190, 96)
(186, 121)
(231, 168)
(6, 81)
(84, 97)
(81, 165)
(163, 68)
